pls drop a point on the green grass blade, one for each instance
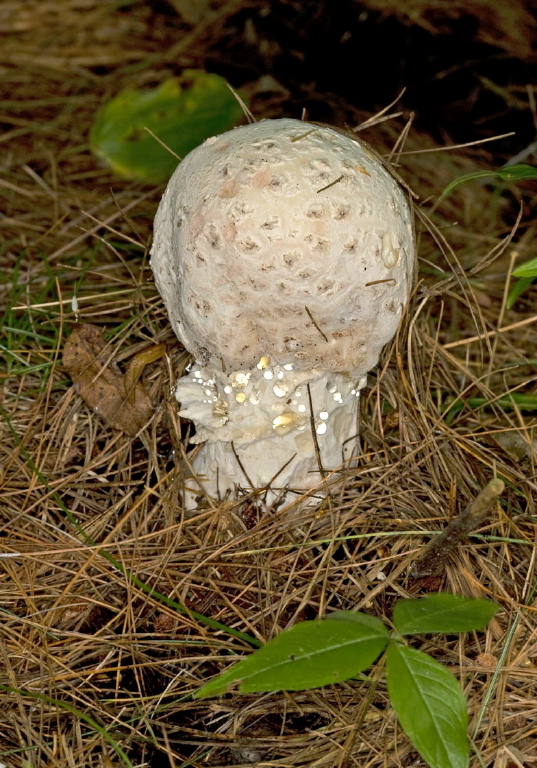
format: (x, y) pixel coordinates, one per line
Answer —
(517, 290)
(526, 402)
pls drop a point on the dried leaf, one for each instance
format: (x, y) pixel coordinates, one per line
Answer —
(101, 384)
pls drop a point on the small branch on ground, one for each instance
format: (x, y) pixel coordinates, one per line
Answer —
(431, 564)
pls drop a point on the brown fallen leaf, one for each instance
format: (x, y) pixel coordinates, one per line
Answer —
(119, 399)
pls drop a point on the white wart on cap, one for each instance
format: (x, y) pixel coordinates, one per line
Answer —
(284, 254)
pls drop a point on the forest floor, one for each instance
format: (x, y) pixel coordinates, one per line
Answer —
(109, 593)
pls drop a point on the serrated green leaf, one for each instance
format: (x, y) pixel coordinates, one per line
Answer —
(528, 269)
(509, 173)
(182, 113)
(442, 612)
(430, 706)
(309, 655)
(359, 618)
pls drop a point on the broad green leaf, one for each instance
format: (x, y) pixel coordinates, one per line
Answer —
(442, 613)
(359, 618)
(509, 173)
(430, 706)
(528, 269)
(309, 655)
(182, 113)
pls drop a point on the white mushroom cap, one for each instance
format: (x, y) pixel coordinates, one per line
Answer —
(287, 240)
(284, 253)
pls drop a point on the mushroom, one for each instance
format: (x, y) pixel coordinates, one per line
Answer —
(284, 254)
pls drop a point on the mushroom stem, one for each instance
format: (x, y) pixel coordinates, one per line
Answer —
(272, 427)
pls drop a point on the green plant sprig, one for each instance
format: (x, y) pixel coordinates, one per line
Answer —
(426, 697)
(519, 172)
(526, 272)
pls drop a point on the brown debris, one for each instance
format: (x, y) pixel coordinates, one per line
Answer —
(119, 399)
(432, 563)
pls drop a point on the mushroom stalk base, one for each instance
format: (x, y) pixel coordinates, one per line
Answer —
(272, 428)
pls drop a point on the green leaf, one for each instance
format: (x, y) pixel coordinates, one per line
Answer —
(309, 655)
(359, 618)
(518, 172)
(442, 613)
(182, 113)
(518, 289)
(429, 705)
(528, 269)
(508, 173)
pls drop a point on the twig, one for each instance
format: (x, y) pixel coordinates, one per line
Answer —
(241, 465)
(489, 334)
(432, 562)
(336, 181)
(162, 144)
(303, 135)
(322, 471)
(378, 282)
(458, 146)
